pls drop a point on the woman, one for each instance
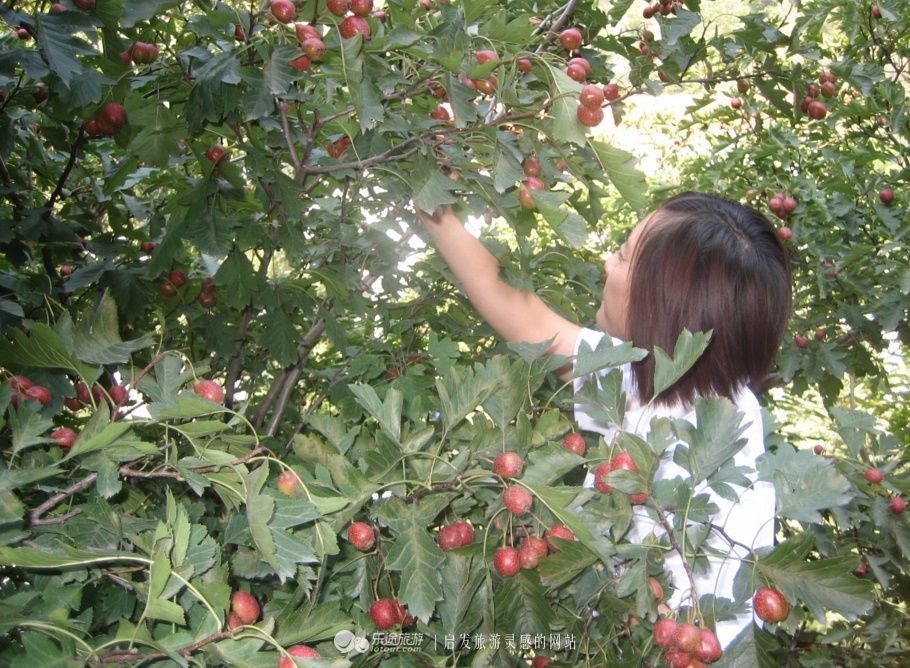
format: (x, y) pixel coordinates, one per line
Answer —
(699, 262)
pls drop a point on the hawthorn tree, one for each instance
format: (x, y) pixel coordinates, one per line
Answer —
(243, 410)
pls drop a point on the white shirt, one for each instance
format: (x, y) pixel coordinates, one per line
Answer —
(749, 521)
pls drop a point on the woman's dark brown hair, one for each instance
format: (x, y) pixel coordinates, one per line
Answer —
(707, 263)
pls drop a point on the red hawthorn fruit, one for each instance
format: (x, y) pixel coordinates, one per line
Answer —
(677, 659)
(577, 73)
(829, 89)
(686, 637)
(91, 128)
(584, 62)
(591, 95)
(301, 63)
(657, 589)
(85, 5)
(23, 34)
(83, 394)
(804, 105)
(575, 442)
(571, 39)
(119, 394)
(486, 86)
(862, 569)
(743, 85)
(114, 114)
(664, 631)
(736, 102)
(126, 58)
(449, 537)
(40, 93)
(216, 154)
(440, 113)
(313, 47)
(64, 437)
(19, 384)
(166, 288)
(531, 551)
(486, 56)
(876, 12)
(233, 621)
(814, 90)
(287, 482)
(800, 341)
(820, 335)
(874, 476)
(886, 196)
(361, 536)
(590, 117)
(239, 33)
(599, 475)
(72, 403)
(338, 148)
(438, 91)
(531, 167)
(524, 65)
(465, 532)
(709, 649)
(338, 7)
(385, 613)
(770, 605)
(302, 651)
(507, 562)
(508, 464)
(39, 393)
(362, 7)
(517, 499)
(245, 606)
(789, 204)
(354, 25)
(143, 52)
(540, 661)
(178, 278)
(898, 505)
(525, 196)
(611, 92)
(562, 165)
(207, 299)
(58, 8)
(380, 16)
(818, 449)
(817, 110)
(209, 389)
(148, 246)
(560, 531)
(66, 270)
(283, 10)
(306, 31)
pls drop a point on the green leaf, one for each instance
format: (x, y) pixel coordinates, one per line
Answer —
(28, 426)
(620, 168)
(548, 464)
(462, 584)
(387, 413)
(606, 354)
(560, 568)
(854, 426)
(42, 347)
(507, 171)
(417, 557)
(522, 606)
(105, 438)
(431, 188)
(716, 438)
(804, 483)
(689, 347)
(822, 585)
(565, 126)
(138, 11)
(60, 46)
(96, 338)
(279, 337)
(259, 509)
(750, 649)
(460, 392)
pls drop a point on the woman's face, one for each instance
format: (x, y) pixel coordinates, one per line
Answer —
(611, 316)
